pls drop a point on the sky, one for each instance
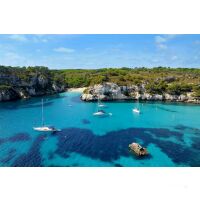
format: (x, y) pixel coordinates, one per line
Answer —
(99, 51)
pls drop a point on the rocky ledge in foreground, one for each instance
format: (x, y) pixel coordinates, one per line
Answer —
(111, 91)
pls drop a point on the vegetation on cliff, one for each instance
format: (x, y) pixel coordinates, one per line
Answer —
(24, 82)
(157, 80)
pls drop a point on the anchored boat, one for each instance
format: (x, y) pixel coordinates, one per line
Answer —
(101, 112)
(45, 128)
(100, 104)
(136, 110)
(138, 149)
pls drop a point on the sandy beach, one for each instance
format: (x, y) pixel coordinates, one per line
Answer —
(76, 89)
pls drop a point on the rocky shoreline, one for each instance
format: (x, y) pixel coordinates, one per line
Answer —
(105, 92)
(113, 92)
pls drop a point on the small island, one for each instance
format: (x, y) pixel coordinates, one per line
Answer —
(106, 84)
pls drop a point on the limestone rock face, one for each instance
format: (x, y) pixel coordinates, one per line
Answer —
(22, 93)
(16, 83)
(8, 95)
(36, 86)
(111, 91)
(170, 97)
(57, 88)
(183, 97)
(88, 97)
(158, 97)
(106, 91)
(42, 81)
(32, 91)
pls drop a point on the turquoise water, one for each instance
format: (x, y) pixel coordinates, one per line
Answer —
(170, 131)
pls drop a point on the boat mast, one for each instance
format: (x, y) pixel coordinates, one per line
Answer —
(98, 103)
(42, 114)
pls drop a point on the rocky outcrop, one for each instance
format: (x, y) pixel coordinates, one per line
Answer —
(58, 88)
(8, 94)
(111, 91)
(37, 85)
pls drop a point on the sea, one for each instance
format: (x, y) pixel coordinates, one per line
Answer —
(169, 131)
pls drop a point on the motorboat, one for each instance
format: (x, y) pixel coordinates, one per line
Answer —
(138, 150)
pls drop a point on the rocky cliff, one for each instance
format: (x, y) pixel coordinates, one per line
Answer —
(12, 87)
(111, 91)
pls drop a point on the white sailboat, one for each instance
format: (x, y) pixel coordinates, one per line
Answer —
(101, 112)
(45, 128)
(136, 110)
(100, 104)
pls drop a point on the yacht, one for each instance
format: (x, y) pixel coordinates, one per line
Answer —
(99, 113)
(100, 104)
(45, 128)
(136, 110)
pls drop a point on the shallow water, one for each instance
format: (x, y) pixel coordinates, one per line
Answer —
(170, 131)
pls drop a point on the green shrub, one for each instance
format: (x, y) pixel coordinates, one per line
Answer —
(177, 88)
(156, 87)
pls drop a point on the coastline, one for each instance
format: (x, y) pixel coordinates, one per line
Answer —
(112, 92)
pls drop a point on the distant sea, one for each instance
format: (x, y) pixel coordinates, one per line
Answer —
(170, 131)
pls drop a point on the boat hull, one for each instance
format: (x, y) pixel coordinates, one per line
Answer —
(138, 150)
(136, 111)
(45, 129)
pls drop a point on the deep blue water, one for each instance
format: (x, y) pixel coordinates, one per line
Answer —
(170, 131)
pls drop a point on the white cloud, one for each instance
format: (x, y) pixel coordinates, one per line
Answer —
(64, 50)
(32, 38)
(162, 40)
(18, 37)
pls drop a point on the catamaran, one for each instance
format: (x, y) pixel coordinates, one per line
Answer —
(45, 128)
